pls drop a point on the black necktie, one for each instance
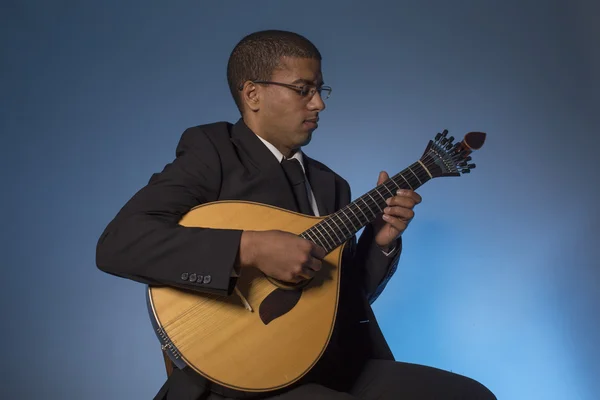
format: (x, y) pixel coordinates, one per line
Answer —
(295, 174)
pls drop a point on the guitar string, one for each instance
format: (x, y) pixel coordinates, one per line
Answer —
(179, 333)
(421, 175)
(424, 178)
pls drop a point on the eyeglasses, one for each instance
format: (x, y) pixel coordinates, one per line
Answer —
(304, 91)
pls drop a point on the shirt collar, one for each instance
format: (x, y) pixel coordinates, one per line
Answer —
(297, 155)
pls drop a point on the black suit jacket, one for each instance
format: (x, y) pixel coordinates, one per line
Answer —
(221, 161)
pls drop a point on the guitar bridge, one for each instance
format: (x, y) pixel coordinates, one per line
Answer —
(167, 345)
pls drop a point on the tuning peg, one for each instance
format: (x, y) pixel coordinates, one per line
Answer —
(438, 136)
(471, 166)
(468, 158)
(444, 132)
(461, 154)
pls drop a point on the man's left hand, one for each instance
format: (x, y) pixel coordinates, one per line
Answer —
(396, 216)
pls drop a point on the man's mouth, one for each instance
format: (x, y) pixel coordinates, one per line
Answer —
(312, 122)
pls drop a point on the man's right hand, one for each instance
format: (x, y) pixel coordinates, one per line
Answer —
(280, 255)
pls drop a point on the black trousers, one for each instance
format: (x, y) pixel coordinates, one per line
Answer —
(381, 380)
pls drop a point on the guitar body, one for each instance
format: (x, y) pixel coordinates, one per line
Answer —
(221, 339)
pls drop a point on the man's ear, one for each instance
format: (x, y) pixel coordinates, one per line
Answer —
(251, 96)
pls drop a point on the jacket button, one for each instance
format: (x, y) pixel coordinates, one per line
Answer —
(184, 276)
(192, 277)
(207, 279)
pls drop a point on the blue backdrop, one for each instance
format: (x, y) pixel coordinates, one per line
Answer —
(499, 278)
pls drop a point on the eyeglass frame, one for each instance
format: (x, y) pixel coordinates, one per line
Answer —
(300, 89)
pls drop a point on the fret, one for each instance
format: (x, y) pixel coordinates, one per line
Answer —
(317, 239)
(325, 237)
(305, 235)
(420, 183)
(358, 219)
(369, 208)
(394, 182)
(409, 185)
(338, 238)
(388, 189)
(343, 223)
(377, 191)
(312, 236)
(374, 201)
(336, 224)
(354, 227)
(361, 211)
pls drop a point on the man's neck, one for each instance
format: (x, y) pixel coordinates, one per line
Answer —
(286, 152)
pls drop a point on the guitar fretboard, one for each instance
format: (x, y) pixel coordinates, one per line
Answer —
(340, 226)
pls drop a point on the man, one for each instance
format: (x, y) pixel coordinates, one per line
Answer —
(276, 81)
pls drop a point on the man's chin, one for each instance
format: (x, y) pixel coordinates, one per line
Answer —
(307, 137)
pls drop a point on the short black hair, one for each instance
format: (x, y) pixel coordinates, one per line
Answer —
(257, 55)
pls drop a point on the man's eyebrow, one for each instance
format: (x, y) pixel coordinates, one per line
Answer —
(307, 82)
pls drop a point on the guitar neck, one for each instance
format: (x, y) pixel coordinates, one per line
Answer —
(340, 226)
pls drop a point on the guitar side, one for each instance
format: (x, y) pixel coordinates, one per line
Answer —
(219, 338)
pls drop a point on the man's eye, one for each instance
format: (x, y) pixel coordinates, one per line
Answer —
(306, 90)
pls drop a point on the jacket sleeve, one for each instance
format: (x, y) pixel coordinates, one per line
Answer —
(145, 242)
(377, 267)
(374, 266)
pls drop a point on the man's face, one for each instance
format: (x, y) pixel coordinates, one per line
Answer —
(286, 117)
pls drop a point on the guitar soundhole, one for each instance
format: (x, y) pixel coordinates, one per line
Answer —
(278, 303)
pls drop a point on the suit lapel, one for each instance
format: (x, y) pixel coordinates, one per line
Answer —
(322, 183)
(262, 158)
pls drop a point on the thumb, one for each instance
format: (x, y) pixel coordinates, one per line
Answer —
(383, 176)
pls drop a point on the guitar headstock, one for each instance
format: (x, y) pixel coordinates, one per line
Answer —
(442, 157)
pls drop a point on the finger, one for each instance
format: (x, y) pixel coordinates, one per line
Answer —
(406, 193)
(293, 278)
(307, 273)
(315, 265)
(400, 212)
(302, 273)
(401, 201)
(397, 223)
(383, 176)
(318, 252)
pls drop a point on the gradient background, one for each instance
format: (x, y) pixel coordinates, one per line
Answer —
(499, 278)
